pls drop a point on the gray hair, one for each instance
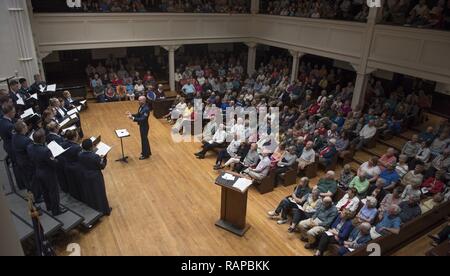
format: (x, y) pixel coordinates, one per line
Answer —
(396, 208)
(371, 201)
(331, 173)
(365, 226)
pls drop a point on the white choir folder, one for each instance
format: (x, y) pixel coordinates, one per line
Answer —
(56, 149)
(27, 113)
(101, 148)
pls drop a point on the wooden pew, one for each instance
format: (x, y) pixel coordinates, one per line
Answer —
(266, 185)
(161, 107)
(408, 232)
(332, 166)
(290, 177)
(442, 249)
(310, 171)
(373, 142)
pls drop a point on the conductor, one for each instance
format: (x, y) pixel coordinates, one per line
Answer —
(142, 119)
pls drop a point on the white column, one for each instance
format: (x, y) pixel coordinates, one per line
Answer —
(362, 70)
(359, 93)
(21, 25)
(251, 60)
(254, 9)
(296, 55)
(9, 242)
(171, 49)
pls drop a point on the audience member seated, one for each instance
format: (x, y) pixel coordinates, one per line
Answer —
(377, 191)
(402, 166)
(434, 185)
(440, 162)
(345, 177)
(370, 169)
(390, 222)
(217, 141)
(410, 208)
(327, 154)
(394, 198)
(359, 237)
(312, 228)
(361, 184)
(251, 160)
(439, 144)
(429, 204)
(296, 199)
(411, 148)
(423, 155)
(349, 202)
(390, 177)
(307, 157)
(230, 152)
(411, 190)
(262, 169)
(285, 164)
(185, 119)
(365, 135)
(308, 209)
(388, 159)
(428, 135)
(339, 232)
(327, 185)
(368, 212)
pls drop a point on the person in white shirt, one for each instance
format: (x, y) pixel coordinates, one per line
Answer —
(371, 169)
(184, 119)
(402, 166)
(177, 111)
(262, 170)
(349, 202)
(217, 141)
(201, 80)
(139, 89)
(365, 135)
(307, 157)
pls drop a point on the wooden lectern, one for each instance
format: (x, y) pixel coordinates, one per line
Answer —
(233, 207)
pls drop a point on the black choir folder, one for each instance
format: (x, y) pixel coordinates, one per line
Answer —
(233, 203)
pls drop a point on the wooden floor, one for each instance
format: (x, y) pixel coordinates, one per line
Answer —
(420, 246)
(168, 205)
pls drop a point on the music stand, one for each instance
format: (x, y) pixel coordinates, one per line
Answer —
(122, 133)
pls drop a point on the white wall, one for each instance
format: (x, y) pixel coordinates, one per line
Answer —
(9, 52)
(412, 51)
(18, 52)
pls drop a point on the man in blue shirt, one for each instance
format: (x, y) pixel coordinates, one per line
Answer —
(188, 88)
(390, 177)
(390, 223)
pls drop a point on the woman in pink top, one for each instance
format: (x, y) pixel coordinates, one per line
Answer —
(388, 159)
